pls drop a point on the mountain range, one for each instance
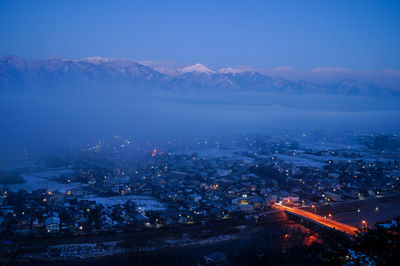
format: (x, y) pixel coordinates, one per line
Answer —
(25, 75)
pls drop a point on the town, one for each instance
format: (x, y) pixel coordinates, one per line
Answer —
(116, 185)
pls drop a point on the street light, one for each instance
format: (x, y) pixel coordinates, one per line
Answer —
(315, 209)
(365, 224)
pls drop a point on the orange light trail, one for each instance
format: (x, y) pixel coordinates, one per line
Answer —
(321, 220)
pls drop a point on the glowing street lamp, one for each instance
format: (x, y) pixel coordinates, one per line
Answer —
(365, 224)
(315, 208)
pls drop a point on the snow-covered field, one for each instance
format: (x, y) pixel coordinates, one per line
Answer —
(321, 146)
(300, 161)
(146, 203)
(44, 179)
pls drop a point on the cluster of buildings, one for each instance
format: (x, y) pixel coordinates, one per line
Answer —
(220, 179)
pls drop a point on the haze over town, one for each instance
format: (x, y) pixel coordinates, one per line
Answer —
(199, 133)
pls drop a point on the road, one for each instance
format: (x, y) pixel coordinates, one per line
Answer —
(320, 220)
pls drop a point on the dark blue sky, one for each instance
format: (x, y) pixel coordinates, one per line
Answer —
(301, 34)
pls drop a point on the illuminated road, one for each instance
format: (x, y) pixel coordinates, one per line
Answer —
(319, 219)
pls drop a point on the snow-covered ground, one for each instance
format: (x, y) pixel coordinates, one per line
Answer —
(300, 161)
(146, 203)
(323, 145)
(45, 179)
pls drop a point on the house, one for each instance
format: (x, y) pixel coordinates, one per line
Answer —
(223, 172)
(195, 197)
(178, 174)
(216, 258)
(247, 208)
(291, 201)
(170, 221)
(333, 196)
(141, 220)
(52, 224)
(6, 210)
(256, 201)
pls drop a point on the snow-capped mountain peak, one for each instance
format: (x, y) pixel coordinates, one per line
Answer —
(95, 60)
(198, 68)
(22, 74)
(228, 70)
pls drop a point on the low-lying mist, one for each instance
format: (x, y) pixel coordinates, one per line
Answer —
(42, 123)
